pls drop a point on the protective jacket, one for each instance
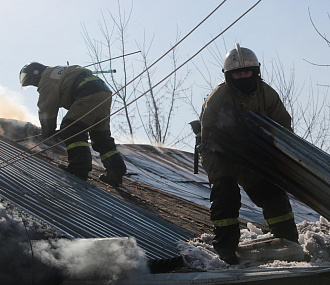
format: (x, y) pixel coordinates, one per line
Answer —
(88, 100)
(61, 86)
(264, 100)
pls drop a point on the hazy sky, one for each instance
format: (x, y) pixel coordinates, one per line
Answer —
(51, 32)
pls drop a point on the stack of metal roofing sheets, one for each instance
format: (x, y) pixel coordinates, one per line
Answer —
(278, 154)
(81, 210)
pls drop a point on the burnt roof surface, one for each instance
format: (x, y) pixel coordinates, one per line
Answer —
(79, 209)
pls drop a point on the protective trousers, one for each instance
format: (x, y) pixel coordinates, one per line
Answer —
(276, 207)
(79, 155)
(225, 204)
(90, 112)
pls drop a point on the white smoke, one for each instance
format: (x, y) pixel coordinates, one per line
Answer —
(12, 107)
(93, 259)
(128, 139)
(54, 258)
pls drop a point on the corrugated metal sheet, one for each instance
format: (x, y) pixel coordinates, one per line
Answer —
(279, 155)
(302, 167)
(167, 169)
(172, 170)
(81, 210)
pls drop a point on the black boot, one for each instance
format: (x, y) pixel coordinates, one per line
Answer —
(80, 162)
(79, 155)
(80, 174)
(229, 257)
(276, 209)
(103, 143)
(115, 168)
(286, 229)
(112, 178)
(226, 241)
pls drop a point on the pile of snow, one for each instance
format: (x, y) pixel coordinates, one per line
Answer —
(314, 240)
(33, 253)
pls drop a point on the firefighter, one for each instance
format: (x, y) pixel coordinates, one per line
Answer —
(244, 90)
(76, 89)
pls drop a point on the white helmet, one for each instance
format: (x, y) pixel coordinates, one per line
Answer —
(240, 58)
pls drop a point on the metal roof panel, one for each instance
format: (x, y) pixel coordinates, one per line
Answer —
(79, 209)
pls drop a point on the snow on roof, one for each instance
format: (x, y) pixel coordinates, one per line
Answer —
(172, 171)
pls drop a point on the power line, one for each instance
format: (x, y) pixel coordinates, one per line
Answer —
(127, 54)
(233, 23)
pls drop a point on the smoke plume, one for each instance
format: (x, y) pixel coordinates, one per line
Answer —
(11, 107)
(32, 253)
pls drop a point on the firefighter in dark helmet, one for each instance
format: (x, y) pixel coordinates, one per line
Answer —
(242, 90)
(76, 89)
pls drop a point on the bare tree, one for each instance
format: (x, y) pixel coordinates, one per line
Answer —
(100, 50)
(194, 96)
(311, 120)
(323, 37)
(286, 87)
(310, 114)
(161, 102)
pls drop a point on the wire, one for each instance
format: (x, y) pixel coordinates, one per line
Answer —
(24, 152)
(246, 12)
(112, 58)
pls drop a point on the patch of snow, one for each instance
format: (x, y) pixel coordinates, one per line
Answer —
(253, 229)
(314, 242)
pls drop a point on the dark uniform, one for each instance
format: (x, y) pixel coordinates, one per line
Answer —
(79, 91)
(225, 174)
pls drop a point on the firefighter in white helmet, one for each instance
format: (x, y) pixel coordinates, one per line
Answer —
(76, 89)
(243, 90)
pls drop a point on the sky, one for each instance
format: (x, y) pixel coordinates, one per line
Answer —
(51, 33)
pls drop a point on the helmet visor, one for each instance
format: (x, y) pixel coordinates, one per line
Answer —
(22, 79)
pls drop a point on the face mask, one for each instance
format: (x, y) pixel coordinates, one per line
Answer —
(245, 85)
